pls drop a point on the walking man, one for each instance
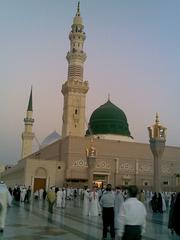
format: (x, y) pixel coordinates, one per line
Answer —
(132, 217)
(51, 197)
(5, 200)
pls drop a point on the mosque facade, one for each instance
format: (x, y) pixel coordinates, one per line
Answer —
(104, 153)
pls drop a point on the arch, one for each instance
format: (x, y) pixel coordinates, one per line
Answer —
(41, 172)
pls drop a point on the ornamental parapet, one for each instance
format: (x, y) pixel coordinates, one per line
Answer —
(75, 86)
(28, 121)
(77, 35)
(76, 55)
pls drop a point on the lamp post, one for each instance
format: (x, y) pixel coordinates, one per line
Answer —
(91, 161)
(157, 139)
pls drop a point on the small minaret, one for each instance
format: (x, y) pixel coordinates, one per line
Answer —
(157, 139)
(28, 135)
(75, 89)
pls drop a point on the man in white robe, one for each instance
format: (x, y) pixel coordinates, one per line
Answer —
(119, 199)
(63, 203)
(23, 193)
(41, 190)
(59, 198)
(5, 200)
(132, 217)
(93, 203)
(86, 203)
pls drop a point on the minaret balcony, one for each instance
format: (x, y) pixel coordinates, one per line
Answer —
(77, 35)
(75, 86)
(75, 54)
(28, 120)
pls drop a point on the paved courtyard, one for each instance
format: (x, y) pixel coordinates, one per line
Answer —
(33, 222)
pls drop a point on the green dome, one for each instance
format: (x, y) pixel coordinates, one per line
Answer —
(108, 119)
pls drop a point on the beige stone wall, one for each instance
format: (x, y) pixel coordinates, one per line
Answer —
(51, 151)
(135, 162)
(15, 175)
(119, 162)
(40, 168)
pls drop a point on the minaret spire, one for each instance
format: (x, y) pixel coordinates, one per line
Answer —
(28, 135)
(75, 88)
(78, 9)
(30, 107)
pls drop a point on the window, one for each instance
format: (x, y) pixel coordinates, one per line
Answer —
(165, 183)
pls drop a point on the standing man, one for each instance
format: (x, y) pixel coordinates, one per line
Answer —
(5, 200)
(28, 195)
(132, 217)
(107, 203)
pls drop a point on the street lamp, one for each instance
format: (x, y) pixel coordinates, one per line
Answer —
(91, 162)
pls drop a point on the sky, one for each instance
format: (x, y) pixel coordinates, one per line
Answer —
(133, 54)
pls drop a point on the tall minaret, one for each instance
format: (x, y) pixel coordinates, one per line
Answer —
(157, 139)
(28, 135)
(75, 89)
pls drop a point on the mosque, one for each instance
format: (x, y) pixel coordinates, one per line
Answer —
(104, 153)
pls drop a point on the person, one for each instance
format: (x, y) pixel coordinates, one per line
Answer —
(142, 196)
(93, 203)
(36, 194)
(132, 217)
(159, 203)
(119, 199)
(86, 202)
(154, 203)
(41, 190)
(59, 197)
(23, 193)
(107, 203)
(16, 193)
(174, 222)
(44, 193)
(5, 201)
(63, 203)
(28, 195)
(51, 198)
(170, 220)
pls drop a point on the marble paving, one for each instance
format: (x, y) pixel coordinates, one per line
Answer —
(33, 222)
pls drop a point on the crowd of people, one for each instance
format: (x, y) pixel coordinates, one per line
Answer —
(123, 211)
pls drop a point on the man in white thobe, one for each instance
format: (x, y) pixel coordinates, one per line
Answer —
(93, 203)
(132, 217)
(119, 199)
(59, 198)
(41, 190)
(63, 203)
(86, 203)
(5, 200)
(23, 193)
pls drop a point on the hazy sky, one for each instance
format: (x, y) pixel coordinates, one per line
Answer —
(133, 53)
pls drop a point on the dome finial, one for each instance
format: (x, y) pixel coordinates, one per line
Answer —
(157, 118)
(108, 96)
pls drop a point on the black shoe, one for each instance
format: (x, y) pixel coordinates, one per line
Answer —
(1, 230)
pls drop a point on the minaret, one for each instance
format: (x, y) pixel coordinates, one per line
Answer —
(28, 135)
(75, 89)
(157, 139)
